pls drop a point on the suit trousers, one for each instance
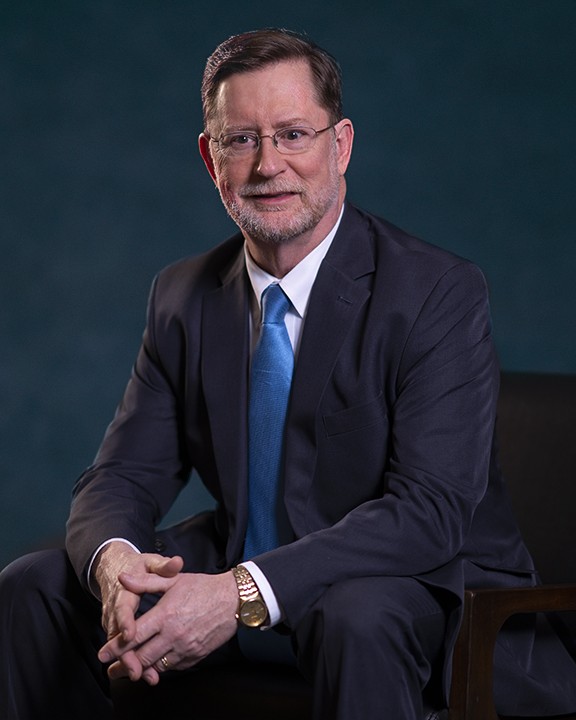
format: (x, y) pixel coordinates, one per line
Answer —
(371, 646)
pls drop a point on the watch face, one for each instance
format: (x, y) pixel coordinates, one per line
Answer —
(253, 613)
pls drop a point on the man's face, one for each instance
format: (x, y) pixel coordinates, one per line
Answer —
(271, 196)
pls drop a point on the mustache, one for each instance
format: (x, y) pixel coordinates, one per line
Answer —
(266, 188)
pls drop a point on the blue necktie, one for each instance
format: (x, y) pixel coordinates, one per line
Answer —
(270, 380)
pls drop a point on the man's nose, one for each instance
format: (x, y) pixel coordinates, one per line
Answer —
(269, 160)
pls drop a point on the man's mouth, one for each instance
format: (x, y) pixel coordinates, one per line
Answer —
(270, 200)
(267, 194)
(272, 196)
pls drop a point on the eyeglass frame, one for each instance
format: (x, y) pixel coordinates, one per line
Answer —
(274, 139)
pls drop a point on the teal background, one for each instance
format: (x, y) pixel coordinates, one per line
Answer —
(464, 114)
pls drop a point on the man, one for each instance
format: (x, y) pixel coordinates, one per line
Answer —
(390, 496)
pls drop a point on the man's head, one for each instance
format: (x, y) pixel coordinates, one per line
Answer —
(275, 142)
(257, 49)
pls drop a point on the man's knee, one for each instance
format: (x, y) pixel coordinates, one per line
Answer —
(374, 601)
(389, 613)
(38, 585)
(33, 572)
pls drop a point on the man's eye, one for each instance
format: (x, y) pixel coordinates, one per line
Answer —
(293, 134)
(241, 139)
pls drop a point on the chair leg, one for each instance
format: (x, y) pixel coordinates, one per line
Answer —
(471, 696)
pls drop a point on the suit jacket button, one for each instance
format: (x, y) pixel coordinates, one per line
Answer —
(159, 545)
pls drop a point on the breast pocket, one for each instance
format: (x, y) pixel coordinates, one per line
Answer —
(357, 417)
(351, 459)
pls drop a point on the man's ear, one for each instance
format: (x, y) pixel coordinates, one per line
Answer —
(204, 147)
(344, 140)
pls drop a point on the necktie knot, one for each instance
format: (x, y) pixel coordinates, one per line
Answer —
(275, 305)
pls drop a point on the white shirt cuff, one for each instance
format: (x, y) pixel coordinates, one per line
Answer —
(94, 587)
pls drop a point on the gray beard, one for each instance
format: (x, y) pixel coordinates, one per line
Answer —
(261, 230)
(259, 225)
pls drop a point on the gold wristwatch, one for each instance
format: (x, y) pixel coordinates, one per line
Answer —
(252, 611)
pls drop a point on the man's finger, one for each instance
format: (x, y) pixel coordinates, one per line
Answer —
(122, 618)
(145, 627)
(164, 566)
(140, 584)
(127, 666)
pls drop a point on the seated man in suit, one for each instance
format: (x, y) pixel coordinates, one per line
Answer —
(333, 382)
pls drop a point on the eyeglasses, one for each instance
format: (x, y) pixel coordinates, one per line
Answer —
(288, 141)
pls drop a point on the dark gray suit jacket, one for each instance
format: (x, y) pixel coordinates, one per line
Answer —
(390, 465)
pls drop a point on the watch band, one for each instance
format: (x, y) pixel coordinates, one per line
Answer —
(252, 611)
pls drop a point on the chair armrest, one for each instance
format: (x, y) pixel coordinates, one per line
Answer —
(485, 611)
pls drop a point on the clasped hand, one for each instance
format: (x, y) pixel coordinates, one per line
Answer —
(194, 615)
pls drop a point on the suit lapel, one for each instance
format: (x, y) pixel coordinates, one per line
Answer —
(225, 350)
(336, 300)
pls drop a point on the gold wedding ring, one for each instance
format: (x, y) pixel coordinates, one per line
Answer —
(165, 663)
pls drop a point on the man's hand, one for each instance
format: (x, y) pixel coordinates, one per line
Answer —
(119, 603)
(194, 616)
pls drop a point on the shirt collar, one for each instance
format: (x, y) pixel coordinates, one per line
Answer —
(297, 284)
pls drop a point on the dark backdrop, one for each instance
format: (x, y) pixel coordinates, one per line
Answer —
(464, 114)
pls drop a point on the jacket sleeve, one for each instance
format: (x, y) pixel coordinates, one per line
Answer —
(140, 466)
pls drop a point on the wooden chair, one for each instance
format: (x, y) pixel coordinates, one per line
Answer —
(537, 433)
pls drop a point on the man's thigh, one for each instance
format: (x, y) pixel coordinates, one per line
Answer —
(376, 617)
